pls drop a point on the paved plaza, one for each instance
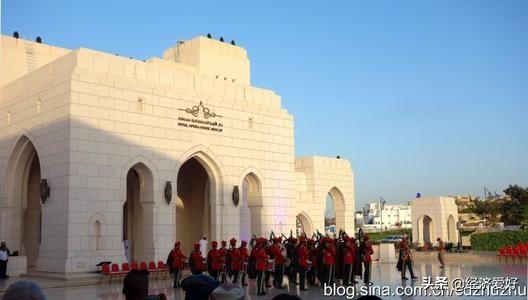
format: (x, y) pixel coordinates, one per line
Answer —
(382, 275)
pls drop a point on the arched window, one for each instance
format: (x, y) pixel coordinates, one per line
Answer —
(97, 243)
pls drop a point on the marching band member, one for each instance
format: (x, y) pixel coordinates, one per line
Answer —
(303, 254)
(312, 250)
(366, 250)
(177, 260)
(196, 260)
(349, 254)
(405, 260)
(278, 252)
(259, 255)
(223, 259)
(329, 259)
(235, 263)
(244, 258)
(214, 264)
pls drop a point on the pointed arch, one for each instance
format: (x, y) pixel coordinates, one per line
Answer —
(208, 159)
(304, 223)
(148, 174)
(251, 204)
(338, 203)
(21, 204)
(199, 183)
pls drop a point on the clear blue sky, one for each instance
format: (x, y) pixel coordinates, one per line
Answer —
(420, 96)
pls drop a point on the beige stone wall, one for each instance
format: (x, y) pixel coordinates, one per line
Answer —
(37, 106)
(439, 210)
(18, 57)
(93, 116)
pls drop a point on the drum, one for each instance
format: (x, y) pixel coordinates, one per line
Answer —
(271, 265)
(224, 268)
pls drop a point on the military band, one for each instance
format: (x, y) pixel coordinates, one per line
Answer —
(305, 261)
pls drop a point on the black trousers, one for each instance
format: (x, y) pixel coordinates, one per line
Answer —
(302, 277)
(330, 274)
(235, 275)
(348, 275)
(243, 280)
(177, 275)
(407, 265)
(291, 274)
(223, 278)
(3, 269)
(214, 274)
(366, 274)
(260, 282)
(278, 275)
(311, 275)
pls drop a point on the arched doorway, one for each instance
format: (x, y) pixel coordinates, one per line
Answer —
(303, 224)
(139, 190)
(329, 214)
(334, 210)
(250, 207)
(427, 229)
(451, 229)
(193, 206)
(22, 202)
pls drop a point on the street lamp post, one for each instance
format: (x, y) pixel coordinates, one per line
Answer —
(382, 203)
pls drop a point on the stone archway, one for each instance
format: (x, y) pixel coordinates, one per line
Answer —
(451, 229)
(21, 206)
(136, 214)
(303, 224)
(335, 206)
(193, 205)
(250, 207)
(425, 229)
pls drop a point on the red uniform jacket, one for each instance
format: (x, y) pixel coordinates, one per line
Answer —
(197, 261)
(243, 251)
(369, 251)
(259, 255)
(214, 259)
(223, 255)
(313, 256)
(177, 259)
(234, 257)
(275, 250)
(349, 254)
(329, 254)
(303, 254)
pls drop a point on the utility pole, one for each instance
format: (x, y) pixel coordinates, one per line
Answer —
(382, 203)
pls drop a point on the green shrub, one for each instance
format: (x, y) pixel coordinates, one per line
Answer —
(493, 241)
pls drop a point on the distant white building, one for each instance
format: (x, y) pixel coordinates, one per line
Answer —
(391, 216)
(360, 219)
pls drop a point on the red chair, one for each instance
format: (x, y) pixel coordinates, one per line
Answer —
(163, 270)
(523, 252)
(152, 266)
(125, 267)
(105, 270)
(114, 271)
(162, 266)
(154, 272)
(143, 265)
(134, 266)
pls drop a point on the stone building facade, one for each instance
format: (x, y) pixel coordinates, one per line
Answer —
(99, 150)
